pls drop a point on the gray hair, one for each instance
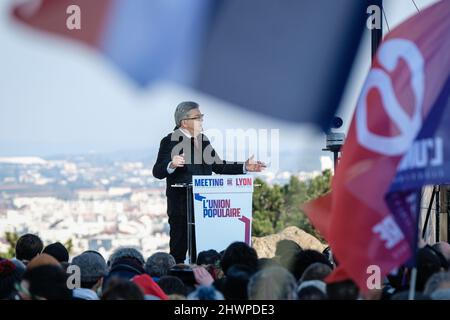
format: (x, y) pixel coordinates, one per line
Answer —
(273, 283)
(439, 280)
(182, 110)
(322, 286)
(159, 263)
(316, 271)
(125, 252)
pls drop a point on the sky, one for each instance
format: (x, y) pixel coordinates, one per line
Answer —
(58, 97)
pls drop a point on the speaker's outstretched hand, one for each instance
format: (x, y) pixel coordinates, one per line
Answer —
(254, 166)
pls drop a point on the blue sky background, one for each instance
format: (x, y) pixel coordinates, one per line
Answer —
(59, 97)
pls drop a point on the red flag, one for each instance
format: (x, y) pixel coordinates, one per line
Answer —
(408, 74)
(51, 16)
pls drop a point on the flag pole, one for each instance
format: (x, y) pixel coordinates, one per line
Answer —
(419, 238)
(377, 37)
(412, 284)
(377, 33)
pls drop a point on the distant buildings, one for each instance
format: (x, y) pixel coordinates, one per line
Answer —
(99, 205)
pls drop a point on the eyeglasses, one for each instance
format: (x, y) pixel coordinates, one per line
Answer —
(199, 117)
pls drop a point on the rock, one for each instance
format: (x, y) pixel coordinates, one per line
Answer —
(265, 246)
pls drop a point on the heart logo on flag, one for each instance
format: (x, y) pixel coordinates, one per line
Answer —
(389, 56)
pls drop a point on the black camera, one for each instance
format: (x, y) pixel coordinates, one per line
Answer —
(336, 123)
(335, 140)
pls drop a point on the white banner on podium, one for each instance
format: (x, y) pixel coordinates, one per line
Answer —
(222, 210)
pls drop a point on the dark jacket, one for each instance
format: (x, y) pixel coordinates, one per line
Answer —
(201, 161)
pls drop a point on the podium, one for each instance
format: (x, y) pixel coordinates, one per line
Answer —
(191, 252)
(222, 210)
(218, 212)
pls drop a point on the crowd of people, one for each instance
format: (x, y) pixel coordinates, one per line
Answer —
(47, 273)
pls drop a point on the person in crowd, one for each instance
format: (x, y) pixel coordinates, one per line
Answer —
(57, 251)
(42, 260)
(437, 250)
(274, 283)
(316, 271)
(205, 293)
(311, 293)
(28, 246)
(236, 253)
(444, 248)
(285, 252)
(65, 265)
(10, 274)
(215, 270)
(268, 262)
(125, 253)
(159, 264)
(122, 289)
(124, 263)
(151, 290)
(172, 285)
(202, 276)
(208, 257)
(322, 286)
(38, 274)
(21, 267)
(312, 290)
(239, 253)
(234, 286)
(429, 262)
(304, 259)
(44, 282)
(438, 281)
(186, 274)
(342, 290)
(441, 294)
(395, 282)
(327, 252)
(92, 270)
(404, 295)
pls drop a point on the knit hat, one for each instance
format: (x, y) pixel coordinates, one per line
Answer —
(6, 267)
(58, 251)
(125, 252)
(92, 266)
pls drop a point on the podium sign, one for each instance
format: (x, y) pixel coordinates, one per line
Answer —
(222, 210)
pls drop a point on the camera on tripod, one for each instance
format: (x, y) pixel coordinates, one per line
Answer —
(335, 140)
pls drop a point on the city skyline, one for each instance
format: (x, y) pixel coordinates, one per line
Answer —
(97, 204)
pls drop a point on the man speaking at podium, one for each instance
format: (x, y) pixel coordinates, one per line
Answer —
(183, 153)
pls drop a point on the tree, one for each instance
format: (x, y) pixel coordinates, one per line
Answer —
(11, 238)
(69, 245)
(275, 208)
(268, 206)
(319, 186)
